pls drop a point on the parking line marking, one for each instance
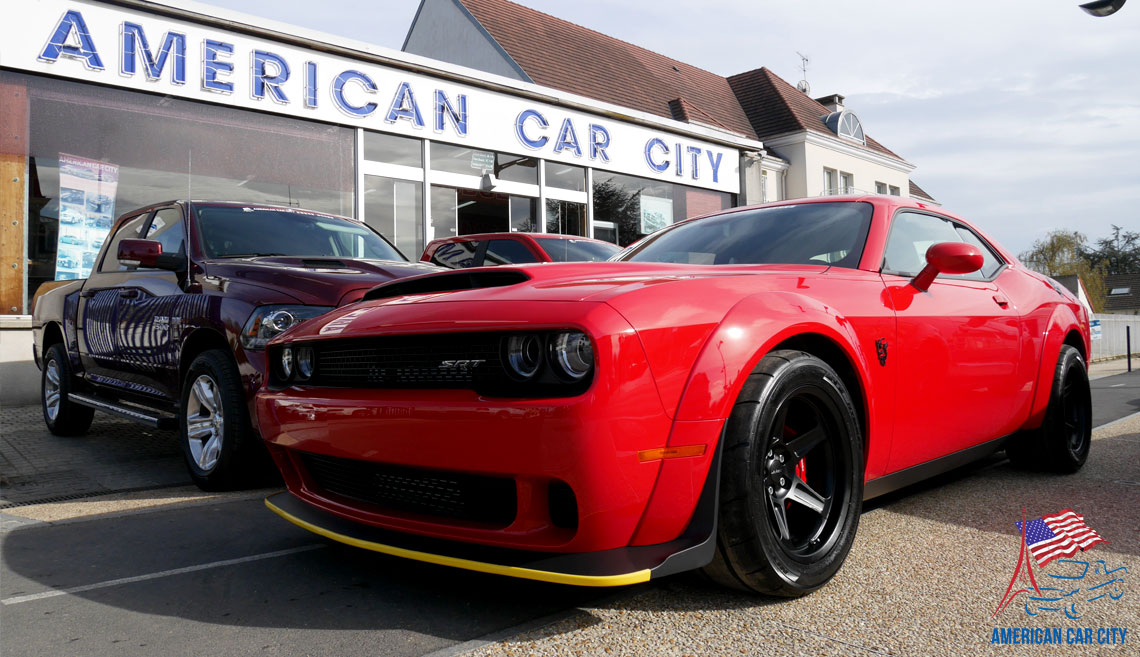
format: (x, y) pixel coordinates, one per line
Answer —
(15, 600)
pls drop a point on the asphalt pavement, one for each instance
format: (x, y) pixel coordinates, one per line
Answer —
(113, 554)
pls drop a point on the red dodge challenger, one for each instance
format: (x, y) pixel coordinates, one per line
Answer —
(724, 397)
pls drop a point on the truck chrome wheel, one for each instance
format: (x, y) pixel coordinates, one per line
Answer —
(51, 390)
(205, 423)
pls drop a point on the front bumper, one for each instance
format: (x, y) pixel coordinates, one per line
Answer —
(440, 442)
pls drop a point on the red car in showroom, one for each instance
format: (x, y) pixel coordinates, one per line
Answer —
(487, 249)
(725, 396)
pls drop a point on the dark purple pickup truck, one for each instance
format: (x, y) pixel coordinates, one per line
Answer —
(170, 328)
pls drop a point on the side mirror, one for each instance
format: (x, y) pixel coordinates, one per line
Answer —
(139, 253)
(948, 258)
(148, 253)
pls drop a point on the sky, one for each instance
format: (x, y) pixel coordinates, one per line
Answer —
(1022, 116)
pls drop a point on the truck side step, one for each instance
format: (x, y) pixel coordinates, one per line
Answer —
(151, 419)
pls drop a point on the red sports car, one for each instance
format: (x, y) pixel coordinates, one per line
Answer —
(724, 397)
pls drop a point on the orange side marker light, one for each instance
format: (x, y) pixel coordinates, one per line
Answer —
(670, 452)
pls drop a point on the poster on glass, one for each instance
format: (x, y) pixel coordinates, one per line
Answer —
(86, 212)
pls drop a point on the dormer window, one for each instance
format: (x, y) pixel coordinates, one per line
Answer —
(845, 124)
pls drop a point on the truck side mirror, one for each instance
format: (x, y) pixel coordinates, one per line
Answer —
(139, 253)
(948, 258)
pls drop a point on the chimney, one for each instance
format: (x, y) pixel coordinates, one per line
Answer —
(834, 102)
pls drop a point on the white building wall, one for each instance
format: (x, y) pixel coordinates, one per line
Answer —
(865, 172)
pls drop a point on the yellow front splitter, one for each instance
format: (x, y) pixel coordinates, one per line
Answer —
(575, 569)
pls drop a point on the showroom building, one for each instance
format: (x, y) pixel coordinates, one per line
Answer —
(108, 107)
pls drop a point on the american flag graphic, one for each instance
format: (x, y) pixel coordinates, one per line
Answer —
(1060, 535)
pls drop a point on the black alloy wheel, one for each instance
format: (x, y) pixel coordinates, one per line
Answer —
(791, 480)
(1063, 441)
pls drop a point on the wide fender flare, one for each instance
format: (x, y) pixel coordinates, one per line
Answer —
(1061, 322)
(751, 329)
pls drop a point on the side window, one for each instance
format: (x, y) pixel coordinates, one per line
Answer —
(991, 263)
(911, 235)
(128, 231)
(168, 229)
(456, 255)
(506, 252)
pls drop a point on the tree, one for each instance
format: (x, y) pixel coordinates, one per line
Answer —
(1119, 254)
(1063, 253)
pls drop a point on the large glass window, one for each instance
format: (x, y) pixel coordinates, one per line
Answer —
(468, 211)
(473, 162)
(393, 149)
(395, 209)
(565, 218)
(565, 176)
(628, 208)
(124, 149)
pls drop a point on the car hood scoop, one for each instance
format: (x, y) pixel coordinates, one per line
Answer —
(447, 282)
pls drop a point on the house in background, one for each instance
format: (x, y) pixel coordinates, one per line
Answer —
(1123, 294)
(812, 146)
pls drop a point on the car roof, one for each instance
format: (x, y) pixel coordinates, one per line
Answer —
(517, 235)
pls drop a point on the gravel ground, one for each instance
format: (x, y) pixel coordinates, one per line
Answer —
(927, 571)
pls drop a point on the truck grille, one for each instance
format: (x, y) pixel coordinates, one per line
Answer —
(475, 498)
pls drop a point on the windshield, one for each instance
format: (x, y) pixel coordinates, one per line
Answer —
(807, 234)
(563, 250)
(233, 232)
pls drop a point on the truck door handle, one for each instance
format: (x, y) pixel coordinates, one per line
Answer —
(128, 294)
(1001, 301)
(87, 294)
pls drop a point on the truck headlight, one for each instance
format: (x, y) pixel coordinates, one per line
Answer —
(268, 322)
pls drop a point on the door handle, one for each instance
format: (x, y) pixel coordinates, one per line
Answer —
(1001, 301)
(128, 294)
(87, 294)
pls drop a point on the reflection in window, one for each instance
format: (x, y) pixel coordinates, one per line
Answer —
(168, 229)
(565, 218)
(393, 149)
(394, 208)
(166, 148)
(565, 176)
(638, 206)
(474, 162)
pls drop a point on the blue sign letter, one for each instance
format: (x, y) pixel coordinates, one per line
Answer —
(599, 142)
(310, 84)
(443, 108)
(715, 163)
(649, 146)
(72, 21)
(696, 153)
(520, 128)
(404, 106)
(342, 102)
(134, 40)
(567, 139)
(263, 82)
(212, 67)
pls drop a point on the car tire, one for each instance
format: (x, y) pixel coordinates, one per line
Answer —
(1062, 442)
(791, 481)
(62, 416)
(217, 437)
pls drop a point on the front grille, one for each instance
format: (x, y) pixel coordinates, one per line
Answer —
(462, 360)
(475, 498)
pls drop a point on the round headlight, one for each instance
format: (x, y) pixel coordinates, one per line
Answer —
(281, 320)
(573, 354)
(524, 355)
(305, 362)
(287, 362)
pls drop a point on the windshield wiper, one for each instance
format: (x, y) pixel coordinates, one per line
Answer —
(249, 255)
